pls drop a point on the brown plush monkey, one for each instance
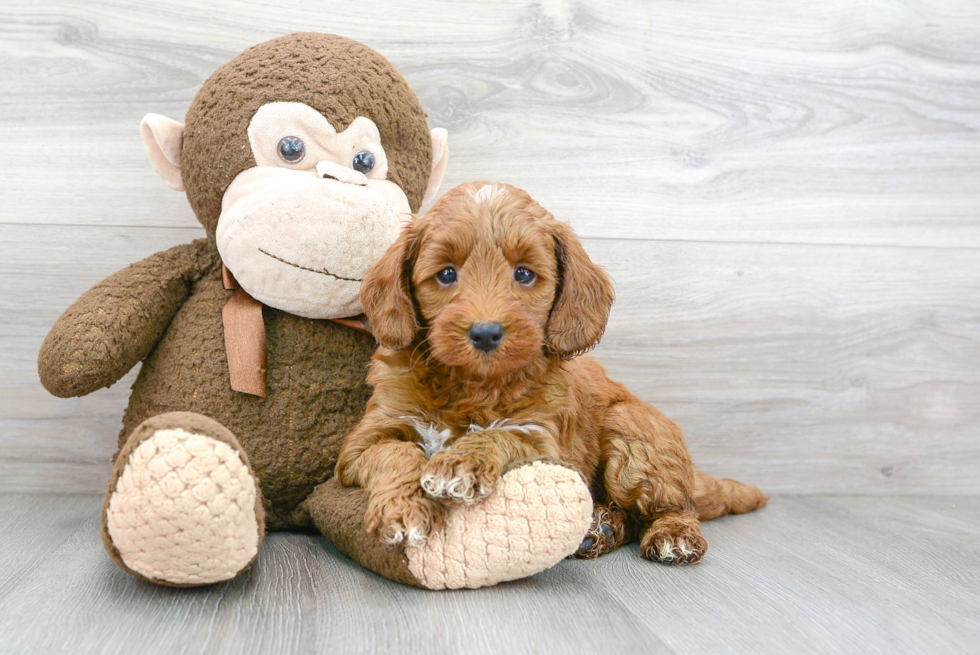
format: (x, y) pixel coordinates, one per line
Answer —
(302, 158)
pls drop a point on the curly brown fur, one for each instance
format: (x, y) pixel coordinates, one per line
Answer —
(472, 410)
(610, 529)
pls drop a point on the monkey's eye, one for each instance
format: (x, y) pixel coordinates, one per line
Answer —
(524, 276)
(363, 162)
(446, 276)
(292, 149)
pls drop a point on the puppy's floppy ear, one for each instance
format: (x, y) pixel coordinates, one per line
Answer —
(583, 298)
(386, 294)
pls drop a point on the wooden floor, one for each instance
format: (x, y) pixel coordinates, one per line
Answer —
(787, 195)
(808, 574)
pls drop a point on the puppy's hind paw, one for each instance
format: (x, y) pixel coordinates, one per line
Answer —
(673, 542)
(677, 552)
(610, 529)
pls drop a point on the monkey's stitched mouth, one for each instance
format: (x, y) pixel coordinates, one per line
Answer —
(311, 270)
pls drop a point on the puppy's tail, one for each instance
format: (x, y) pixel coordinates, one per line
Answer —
(716, 497)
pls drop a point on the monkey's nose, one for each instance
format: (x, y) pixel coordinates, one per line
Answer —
(329, 170)
(486, 336)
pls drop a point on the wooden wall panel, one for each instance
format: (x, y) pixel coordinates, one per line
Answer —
(786, 195)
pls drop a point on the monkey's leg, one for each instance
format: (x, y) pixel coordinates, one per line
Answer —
(648, 472)
(183, 507)
(535, 517)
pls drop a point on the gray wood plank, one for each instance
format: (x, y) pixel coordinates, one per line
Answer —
(830, 574)
(652, 124)
(800, 368)
(807, 369)
(827, 575)
(734, 165)
(837, 122)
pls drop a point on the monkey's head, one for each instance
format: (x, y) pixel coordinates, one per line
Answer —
(302, 158)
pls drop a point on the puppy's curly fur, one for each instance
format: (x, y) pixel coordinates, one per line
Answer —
(482, 308)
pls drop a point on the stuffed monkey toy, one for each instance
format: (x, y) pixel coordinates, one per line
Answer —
(302, 158)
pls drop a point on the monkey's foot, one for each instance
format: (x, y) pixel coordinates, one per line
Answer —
(610, 529)
(534, 518)
(183, 507)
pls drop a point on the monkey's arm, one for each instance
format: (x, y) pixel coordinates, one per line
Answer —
(116, 323)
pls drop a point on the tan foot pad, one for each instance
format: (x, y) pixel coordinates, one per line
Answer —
(536, 517)
(183, 510)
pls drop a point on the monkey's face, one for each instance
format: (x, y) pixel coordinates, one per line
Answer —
(302, 157)
(300, 228)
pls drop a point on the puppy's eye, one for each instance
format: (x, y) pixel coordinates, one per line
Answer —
(363, 162)
(524, 275)
(446, 276)
(292, 149)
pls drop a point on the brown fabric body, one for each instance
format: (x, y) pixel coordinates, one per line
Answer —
(342, 79)
(192, 423)
(316, 376)
(338, 512)
(316, 393)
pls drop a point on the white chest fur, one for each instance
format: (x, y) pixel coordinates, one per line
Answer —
(434, 437)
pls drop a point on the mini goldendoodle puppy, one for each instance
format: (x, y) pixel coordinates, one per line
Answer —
(483, 307)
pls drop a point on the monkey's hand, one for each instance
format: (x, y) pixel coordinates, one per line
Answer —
(116, 323)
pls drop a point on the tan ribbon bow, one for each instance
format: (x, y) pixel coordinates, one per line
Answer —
(244, 338)
(245, 344)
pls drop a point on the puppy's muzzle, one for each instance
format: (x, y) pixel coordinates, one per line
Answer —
(485, 336)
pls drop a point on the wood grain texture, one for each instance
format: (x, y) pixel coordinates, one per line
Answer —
(832, 123)
(798, 368)
(786, 195)
(805, 575)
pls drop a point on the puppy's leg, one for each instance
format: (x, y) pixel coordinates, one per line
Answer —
(397, 509)
(468, 472)
(648, 472)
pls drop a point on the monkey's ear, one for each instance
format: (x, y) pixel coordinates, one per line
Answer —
(163, 140)
(583, 298)
(386, 294)
(440, 158)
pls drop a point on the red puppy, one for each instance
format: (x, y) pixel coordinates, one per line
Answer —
(482, 307)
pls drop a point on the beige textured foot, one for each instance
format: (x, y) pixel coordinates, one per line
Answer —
(184, 510)
(536, 517)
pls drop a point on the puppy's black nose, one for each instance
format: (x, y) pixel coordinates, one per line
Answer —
(486, 336)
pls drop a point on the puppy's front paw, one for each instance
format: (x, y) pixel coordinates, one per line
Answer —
(397, 519)
(673, 542)
(459, 477)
